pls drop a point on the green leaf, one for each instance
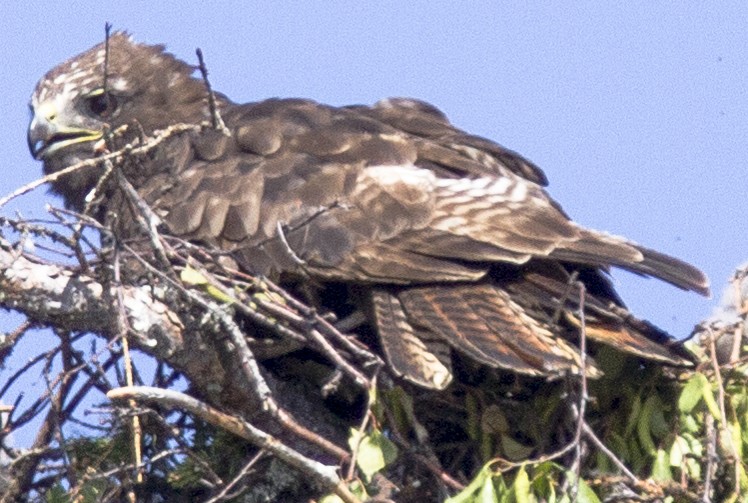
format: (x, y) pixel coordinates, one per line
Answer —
(543, 481)
(679, 451)
(192, 276)
(473, 417)
(711, 403)
(734, 427)
(743, 478)
(375, 451)
(636, 408)
(692, 393)
(689, 424)
(478, 483)
(586, 494)
(488, 492)
(643, 425)
(514, 450)
(219, 295)
(658, 425)
(520, 487)
(661, 467)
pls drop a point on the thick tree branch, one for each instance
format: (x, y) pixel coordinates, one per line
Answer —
(59, 296)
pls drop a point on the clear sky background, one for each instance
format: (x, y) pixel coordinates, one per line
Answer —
(637, 110)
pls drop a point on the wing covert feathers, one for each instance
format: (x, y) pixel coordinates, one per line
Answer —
(395, 198)
(453, 235)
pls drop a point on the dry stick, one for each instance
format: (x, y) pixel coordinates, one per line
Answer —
(582, 426)
(33, 409)
(10, 340)
(23, 469)
(68, 368)
(361, 428)
(89, 477)
(249, 366)
(283, 313)
(723, 412)
(711, 457)
(350, 345)
(289, 251)
(437, 470)
(252, 373)
(122, 328)
(224, 493)
(589, 433)
(325, 475)
(741, 309)
(146, 219)
(214, 113)
(127, 150)
(432, 466)
(610, 455)
(107, 31)
(186, 448)
(583, 392)
(321, 342)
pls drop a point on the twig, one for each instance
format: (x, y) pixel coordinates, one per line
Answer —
(224, 493)
(723, 411)
(361, 428)
(711, 457)
(289, 251)
(564, 297)
(24, 469)
(325, 475)
(187, 449)
(608, 453)
(107, 31)
(249, 366)
(68, 369)
(740, 308)
(328, 329)
(583, 396)
(127, 150)
(122, 329)
(319, 340)
(214, 113)
(147, 220)
(9, 340)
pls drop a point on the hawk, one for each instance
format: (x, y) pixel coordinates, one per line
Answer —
(450, 240)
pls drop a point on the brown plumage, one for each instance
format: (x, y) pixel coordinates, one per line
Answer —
(453, 237)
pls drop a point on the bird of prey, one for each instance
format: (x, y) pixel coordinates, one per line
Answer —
(450, 239)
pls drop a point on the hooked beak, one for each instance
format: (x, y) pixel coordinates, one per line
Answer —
(46, 135)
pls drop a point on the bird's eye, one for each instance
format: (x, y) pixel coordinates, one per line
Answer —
(101, 104)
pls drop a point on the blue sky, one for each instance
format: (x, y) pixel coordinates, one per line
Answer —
(637, 111)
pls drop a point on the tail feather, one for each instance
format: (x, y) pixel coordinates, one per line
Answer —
(600, 249)
(411, 354)
(526, 324)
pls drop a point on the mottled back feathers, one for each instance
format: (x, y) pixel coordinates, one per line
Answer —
(454, 236)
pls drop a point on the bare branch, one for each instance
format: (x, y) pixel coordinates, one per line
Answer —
(325, 475)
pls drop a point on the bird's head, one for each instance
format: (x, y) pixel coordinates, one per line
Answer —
(75, 104)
